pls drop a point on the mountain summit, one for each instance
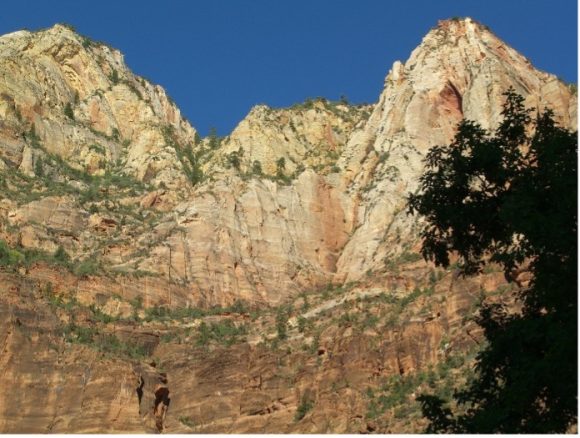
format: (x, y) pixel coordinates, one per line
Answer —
(253, 280)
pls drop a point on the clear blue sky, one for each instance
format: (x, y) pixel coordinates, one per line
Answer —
(218, 58)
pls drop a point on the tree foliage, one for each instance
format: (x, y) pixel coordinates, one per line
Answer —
(510, 197)
(68, 111)
(214, 140)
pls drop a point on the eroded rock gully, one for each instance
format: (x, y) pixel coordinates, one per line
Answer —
(267, 281)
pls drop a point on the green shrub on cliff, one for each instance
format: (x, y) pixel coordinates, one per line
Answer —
(8, 256)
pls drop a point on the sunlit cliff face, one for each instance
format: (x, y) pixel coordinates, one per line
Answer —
(122, 217)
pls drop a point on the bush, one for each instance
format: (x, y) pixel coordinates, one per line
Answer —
(38, 168)
(257, 168)
(214, 140)
(114, 77)
(8, 256)
(190, 161)
(238, 307)
(223, 332)
(105, 343)
(86, 268)
(305, 406)
(280, 165)
(33, 138)
(301, 324)
(282, 322)
(187, 421)
(234, 160)
(97, 148)
(68, 111)
(61, 257)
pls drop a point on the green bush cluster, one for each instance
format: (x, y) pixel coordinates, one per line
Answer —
(224, 332)
(27, 257)
(394, 393)
(9, 256)
(103, 342)
(87, 267)
(214, 140)
(190, 160)
(187, 421)
(165, 313)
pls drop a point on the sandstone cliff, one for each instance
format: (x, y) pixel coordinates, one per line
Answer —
(331, 211)
(126, 228)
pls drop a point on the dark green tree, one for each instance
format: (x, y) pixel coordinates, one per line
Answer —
(214, 140)
(61, 256)
(257, 168)
(68, 111)
(510, 198)
(38, 167)
(280, 167)
(234, 160)
(282, 316)
(114, 77)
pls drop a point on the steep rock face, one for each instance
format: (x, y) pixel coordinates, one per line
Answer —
(112, 357)
(256, 240)
(237, 234)
(53, 390)
(67, 375)
(312, 134)
(84, 105)
(459, 70)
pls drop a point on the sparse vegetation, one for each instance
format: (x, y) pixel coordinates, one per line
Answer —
(68, 111)
(257, 168)
(223, 332)
(190, 160)
(233, 159)
(61, 257)
(162, 313)
(280, 166)
(8, 256)
(303, 408)
(282, 316)
(103, 342)
(114, 77)
(97, 148)
(86, 268)
(187, 421)
(214, 141)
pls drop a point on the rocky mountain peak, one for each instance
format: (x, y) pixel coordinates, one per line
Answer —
(141, 263)
(84, 105)
(460, 70)
(309, 134)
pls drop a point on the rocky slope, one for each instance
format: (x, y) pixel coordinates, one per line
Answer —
(460, 69)
(120, 228)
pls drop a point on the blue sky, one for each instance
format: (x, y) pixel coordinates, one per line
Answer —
(218, 58)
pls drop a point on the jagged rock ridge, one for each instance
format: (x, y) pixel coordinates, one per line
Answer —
(236, 234)
(98, 166)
